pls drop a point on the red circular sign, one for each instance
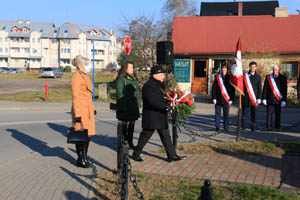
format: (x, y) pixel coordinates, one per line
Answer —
(127, 45)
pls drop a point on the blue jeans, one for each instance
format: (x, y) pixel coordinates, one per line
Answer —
(218, 115)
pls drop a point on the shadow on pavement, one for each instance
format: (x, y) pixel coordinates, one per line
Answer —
(102, 140)
(40, 146)
(74, 195)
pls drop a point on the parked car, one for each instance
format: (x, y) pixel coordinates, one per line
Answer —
(4, 70)
(13, 70)
(51, 72)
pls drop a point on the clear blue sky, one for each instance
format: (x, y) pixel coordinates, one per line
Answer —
(104, 13)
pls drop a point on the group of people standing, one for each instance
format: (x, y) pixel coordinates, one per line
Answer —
(155, 108)
(154, 115)
(273, 96)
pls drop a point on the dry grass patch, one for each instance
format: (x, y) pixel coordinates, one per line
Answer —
(266, 148)
(156, 187)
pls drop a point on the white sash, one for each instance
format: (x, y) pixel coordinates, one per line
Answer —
(274, 87)
(222, 88)
(250, 89)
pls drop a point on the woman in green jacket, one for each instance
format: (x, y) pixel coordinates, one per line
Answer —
(128, 100)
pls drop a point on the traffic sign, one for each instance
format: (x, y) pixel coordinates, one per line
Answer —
(127, 45)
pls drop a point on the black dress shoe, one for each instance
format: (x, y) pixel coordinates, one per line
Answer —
(175, 158)
(137, 158)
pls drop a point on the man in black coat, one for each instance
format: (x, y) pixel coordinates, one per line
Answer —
(222, 98)
(272, 99)
(155, 115)
(253, 99)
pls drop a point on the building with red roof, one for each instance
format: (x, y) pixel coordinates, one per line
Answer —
(204, 43)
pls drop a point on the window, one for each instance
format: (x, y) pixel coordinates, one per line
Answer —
(6, 39)
(66, 41)
(68, 50)
(290, 69)
(199, 68)
(1, 39)
(34, 50)
(25, 30)
(0, 50)
(6, 50)
(39, 40)
(54, 41)
(33, 40)
(16, 50)
(217, 65)
(26, 40)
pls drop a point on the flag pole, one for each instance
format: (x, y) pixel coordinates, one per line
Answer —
(239, 120)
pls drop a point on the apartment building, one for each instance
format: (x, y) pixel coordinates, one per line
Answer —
(27, 44)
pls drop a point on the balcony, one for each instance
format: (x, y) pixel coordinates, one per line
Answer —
(19, 44)
(19, 55)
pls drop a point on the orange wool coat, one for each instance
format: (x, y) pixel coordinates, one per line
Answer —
(82, 103)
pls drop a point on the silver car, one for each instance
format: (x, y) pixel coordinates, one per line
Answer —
(51, 72)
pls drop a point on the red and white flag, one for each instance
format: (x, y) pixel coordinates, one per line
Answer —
(236, 75)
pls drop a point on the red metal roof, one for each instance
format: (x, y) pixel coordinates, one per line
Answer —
(219, 34)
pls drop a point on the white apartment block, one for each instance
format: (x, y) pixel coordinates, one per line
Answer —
(38, 44)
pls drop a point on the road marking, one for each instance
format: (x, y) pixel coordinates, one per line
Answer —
(48, 121)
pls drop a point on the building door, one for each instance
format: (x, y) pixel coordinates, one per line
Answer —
(199, 76)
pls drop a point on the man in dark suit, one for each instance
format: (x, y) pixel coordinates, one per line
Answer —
(252, 97)
(222, 97)
(155, 115)
(274, 96)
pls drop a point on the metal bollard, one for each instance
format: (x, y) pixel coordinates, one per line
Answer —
(124, 163)
(47, 89)
(119, 141)
(206, 191)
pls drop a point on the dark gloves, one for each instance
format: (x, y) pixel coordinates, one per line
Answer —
(77, 119)
(95, 112)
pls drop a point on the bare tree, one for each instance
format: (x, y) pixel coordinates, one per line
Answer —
(144, 34)
(174, 8)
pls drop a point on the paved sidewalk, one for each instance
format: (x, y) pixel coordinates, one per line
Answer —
(49, 172)
(283, 173)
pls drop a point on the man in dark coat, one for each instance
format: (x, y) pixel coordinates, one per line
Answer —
(272, 99)
(255, 99)
(155, 115)
(222, 98)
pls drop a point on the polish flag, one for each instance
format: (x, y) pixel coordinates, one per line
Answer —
(236, 75)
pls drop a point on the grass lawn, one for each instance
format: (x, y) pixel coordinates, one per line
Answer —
(175, 188)
(245, 147)
(59, 94)
(99, 76)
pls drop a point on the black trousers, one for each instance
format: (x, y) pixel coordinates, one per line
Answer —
(271, 110)
(245, 111)
(164, 137)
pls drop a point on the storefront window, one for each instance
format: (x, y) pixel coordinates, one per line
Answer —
(290, 69)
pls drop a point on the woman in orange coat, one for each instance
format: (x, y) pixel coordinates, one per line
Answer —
(83, 110)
